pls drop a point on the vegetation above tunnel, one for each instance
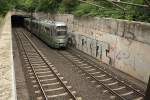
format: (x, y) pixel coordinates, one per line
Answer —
(105, 9)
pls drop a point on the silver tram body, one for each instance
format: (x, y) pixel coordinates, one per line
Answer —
(52, 33)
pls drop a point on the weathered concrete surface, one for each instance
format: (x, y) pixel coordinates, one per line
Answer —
(20, 13)
(120, 43)
(7, 81)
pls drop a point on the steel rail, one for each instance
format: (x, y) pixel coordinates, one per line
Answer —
(101, 83)
(43, 92)
(111, 75)
(73, 97)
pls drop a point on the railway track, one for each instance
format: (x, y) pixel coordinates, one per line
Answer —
(119, 89)
(47, 82)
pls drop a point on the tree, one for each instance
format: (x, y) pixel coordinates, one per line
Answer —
(5, 6)
(49, 5)
(69, 5)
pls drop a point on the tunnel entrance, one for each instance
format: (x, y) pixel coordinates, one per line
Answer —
(17, 21)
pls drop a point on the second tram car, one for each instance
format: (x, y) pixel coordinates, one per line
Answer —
(51, 32)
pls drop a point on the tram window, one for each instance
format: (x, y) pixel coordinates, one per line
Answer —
(61, 28)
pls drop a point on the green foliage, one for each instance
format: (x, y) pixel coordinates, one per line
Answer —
(80, 9)
(62, 8)
(49, 5)
(83, 9)
(143, 14)
(4, 7)
(27, 5)
(67, 6)
(109, 10)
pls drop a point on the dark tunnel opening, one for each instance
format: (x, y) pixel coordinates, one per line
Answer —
(17, 21)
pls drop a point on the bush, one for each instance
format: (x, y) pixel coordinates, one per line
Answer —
(84, 9)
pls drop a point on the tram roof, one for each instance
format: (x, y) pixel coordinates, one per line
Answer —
(47, 23)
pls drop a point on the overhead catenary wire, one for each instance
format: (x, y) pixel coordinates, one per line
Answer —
(115, 4)
(102, 6)
(128, 3)
(90, 3)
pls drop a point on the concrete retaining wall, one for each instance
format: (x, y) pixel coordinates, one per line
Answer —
(120, 43)
(7, 78)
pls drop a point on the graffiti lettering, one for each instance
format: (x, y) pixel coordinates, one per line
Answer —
(95, 48)
(122, 55)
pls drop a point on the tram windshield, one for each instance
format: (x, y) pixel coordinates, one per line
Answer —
(59, 28)
(61, 33)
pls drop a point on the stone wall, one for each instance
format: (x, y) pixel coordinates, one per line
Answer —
(120, 43)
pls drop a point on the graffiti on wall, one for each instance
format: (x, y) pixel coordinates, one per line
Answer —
(99, 49)
(119, 51)
(122, 55)
(95, 48)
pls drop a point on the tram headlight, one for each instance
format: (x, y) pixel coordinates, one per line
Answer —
(60, 40)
